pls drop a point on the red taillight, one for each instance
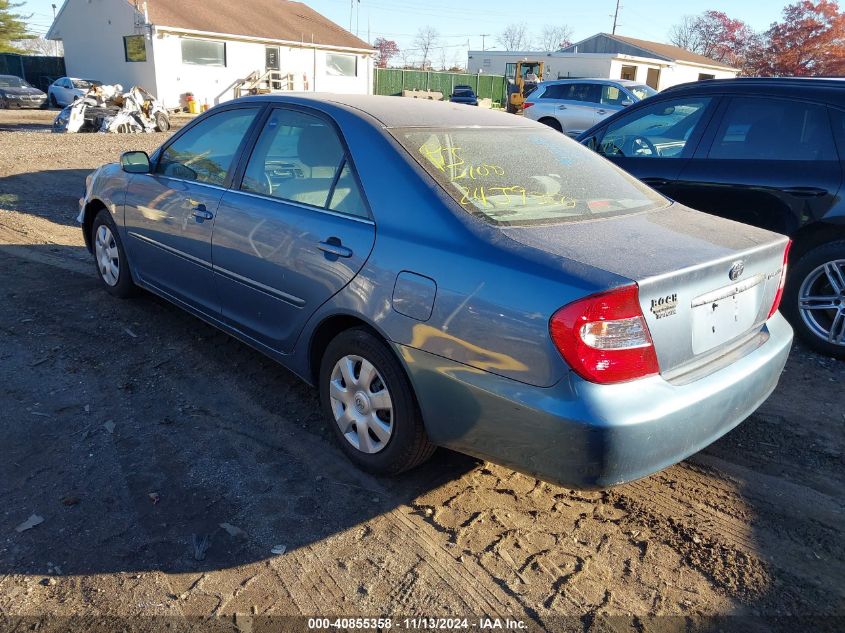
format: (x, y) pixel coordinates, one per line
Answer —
(604, 337)
(527, 105)
(779, 293)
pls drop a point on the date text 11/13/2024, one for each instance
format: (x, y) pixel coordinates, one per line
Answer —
(417, 623)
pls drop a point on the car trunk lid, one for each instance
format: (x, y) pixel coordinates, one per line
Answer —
(706, 285)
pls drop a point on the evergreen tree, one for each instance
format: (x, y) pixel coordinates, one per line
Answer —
(12, 27)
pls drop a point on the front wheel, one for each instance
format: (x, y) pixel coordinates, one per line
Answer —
(552, 123)
(162, 122)
(110, 257)
(53, 101)
(369, 403)
(814, 298)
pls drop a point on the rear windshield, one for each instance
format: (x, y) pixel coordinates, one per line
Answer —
(519, 176)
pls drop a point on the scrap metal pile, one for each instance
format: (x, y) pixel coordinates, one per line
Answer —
(109, 109)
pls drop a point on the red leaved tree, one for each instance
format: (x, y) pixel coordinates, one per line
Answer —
(387, 49)
(808, 42)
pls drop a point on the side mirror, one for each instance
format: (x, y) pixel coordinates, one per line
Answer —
(626, 103)
(591, 143)
(135, 162)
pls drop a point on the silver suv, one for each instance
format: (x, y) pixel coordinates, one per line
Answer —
(575, 105)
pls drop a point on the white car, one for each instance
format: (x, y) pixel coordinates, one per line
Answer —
(66, 90)
(574, 105)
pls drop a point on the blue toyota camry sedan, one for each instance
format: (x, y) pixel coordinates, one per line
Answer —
(453, 276)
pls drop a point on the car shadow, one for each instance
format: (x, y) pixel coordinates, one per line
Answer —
(181, 449)
(51, 194)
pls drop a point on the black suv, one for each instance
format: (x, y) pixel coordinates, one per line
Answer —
(768, 152)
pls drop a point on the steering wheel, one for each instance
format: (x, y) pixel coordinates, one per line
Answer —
(639, 143)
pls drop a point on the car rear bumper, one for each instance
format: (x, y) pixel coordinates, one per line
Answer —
(583, 435)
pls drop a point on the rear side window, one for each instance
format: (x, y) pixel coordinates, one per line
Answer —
(661, 130)
(754, 128)
(206, 151)
(523, 176)
(300, 158)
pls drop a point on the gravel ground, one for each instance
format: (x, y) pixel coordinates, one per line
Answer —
(167, 461)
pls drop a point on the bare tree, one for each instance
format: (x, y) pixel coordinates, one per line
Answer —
(514, 37)
(41, 46)
(686, 33)
(555, 37)
(427, 38)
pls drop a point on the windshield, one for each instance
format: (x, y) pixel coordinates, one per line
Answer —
(85, 84)
(641, 91)
(464, 93)
(519, 176)
(9, 81)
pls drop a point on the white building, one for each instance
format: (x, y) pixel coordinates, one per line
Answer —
(609, 57)
(209, 47)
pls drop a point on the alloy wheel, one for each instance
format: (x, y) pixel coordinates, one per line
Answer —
(361, 404)
(821, 301)
(108, 257)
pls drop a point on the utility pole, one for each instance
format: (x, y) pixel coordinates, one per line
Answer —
(358, 19)
(351, 11)
(483, 38)
(55, 43)
(615, 16)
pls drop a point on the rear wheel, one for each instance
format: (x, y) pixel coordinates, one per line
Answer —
(110, 257)
(368, 402)
(814, 298)
(552, 123)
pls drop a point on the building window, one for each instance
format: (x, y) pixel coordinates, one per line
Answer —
(341, 65)
(135, 48)
(203, 52)
(629, 73)
(487, 62)
(704, 76)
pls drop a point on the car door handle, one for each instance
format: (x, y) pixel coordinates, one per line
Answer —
(561, 107)
(806, 192)
(332, 246)
(655, 182)
(201, 213)
(601, 111)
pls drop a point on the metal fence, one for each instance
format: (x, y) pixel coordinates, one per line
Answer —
(392, 81)
(38, 70)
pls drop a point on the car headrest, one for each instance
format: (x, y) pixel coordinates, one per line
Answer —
(319, 146)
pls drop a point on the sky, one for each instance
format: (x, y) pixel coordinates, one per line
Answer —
(461, 23)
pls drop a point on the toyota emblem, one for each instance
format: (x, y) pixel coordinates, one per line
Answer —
(736, 270)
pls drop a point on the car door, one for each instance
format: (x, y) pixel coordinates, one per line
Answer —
(577, 110)
(765, 161)
(169, 213)
(654, 141)
(60, 91)
(293, 232)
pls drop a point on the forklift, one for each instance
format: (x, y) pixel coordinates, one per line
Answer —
(519, 84)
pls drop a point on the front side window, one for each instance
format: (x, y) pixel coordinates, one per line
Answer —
(519, 176)
(590, 93)
(661, 130)
(205, 153)
(203, 52)
(613, 95)
(341, 65)
(135, 48)
(297, 158)
(773, 129)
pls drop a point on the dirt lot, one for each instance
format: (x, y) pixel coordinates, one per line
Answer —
(167, 461)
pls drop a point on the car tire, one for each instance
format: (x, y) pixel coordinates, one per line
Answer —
(552, 123)
(110, 257)
(814, 275)
(53, 101)
(356, 371)
(162, 122)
